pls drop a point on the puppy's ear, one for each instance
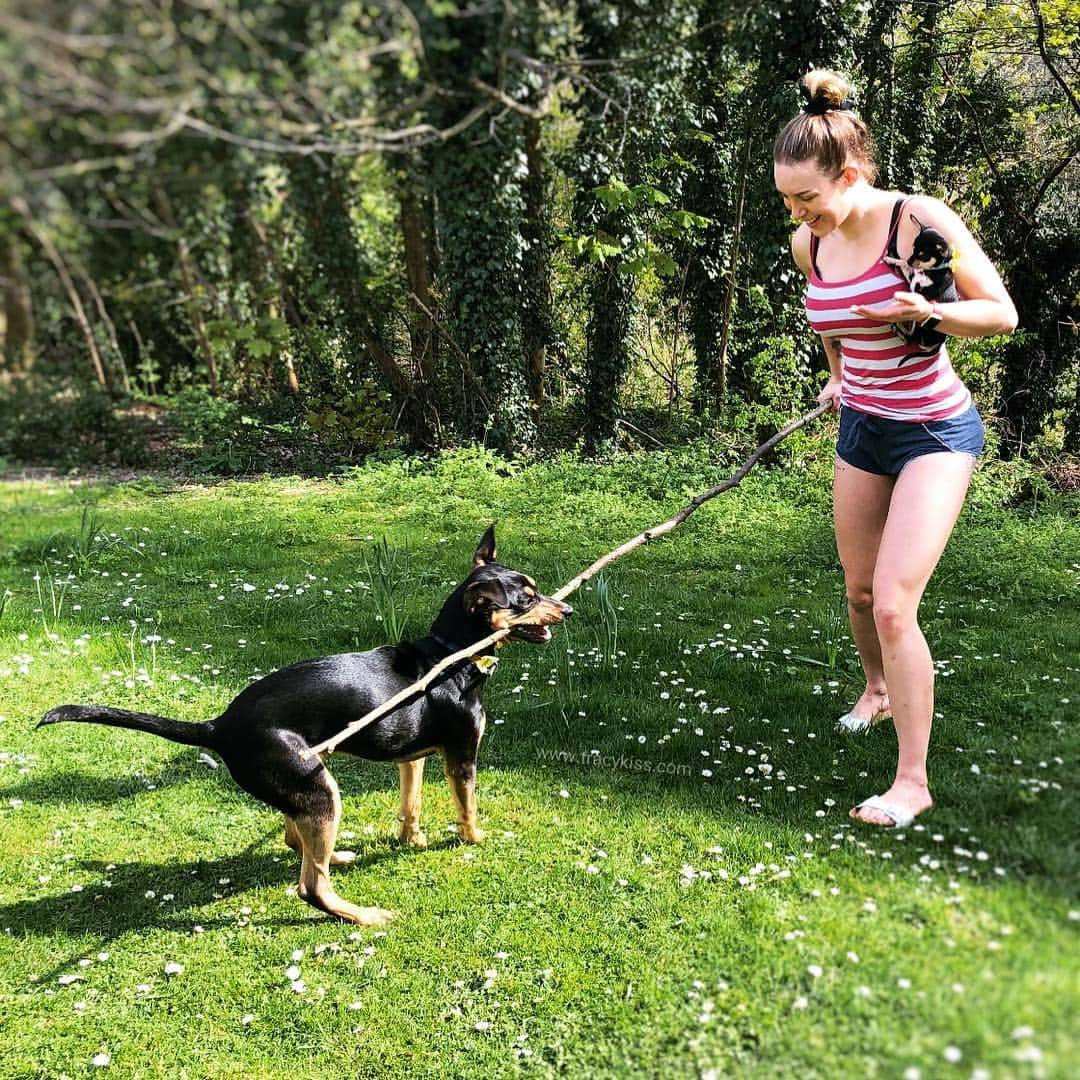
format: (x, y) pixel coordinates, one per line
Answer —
(485, 553)
(917, 221)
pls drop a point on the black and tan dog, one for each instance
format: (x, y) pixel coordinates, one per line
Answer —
(261, 736)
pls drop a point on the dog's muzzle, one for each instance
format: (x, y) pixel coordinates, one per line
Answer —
(533, 625)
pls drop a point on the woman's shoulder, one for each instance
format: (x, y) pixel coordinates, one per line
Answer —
(800, 248)
(927, 204)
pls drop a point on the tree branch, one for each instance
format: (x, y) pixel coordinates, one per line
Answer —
(477, 647)
(1045, 54)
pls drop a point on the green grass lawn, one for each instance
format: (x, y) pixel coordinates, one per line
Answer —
(670, 885)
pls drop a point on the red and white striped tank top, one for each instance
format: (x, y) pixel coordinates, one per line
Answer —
(882, 374)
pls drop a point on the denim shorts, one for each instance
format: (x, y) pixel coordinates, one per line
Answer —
(877, 445)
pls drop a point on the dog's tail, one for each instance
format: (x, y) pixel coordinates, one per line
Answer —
(174, 730)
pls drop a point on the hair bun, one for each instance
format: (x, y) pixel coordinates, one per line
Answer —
(823, 91)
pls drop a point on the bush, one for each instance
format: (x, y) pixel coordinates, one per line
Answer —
(224, 436)
(64, 424)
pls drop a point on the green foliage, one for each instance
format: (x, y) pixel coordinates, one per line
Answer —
(234, 210)
(387, 573)
(261, 340)
(222, 436)
(63, 423)
(782, 383)
(357, 423)
(656, 221)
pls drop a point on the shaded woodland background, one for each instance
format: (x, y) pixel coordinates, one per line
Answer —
(290, 234)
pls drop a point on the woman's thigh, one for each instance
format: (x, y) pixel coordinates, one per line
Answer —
(926, 501)
(860, 510)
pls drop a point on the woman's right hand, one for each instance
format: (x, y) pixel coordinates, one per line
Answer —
(830, 395)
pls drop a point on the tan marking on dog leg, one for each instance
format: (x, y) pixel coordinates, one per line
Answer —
(292, 837)
(412, 779)
(317, 837)
(461, 777)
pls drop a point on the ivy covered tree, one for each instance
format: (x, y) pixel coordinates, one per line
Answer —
(632, 114)
(355, 224)
(1008, 159)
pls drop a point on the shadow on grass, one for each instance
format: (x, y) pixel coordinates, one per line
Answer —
(89, 788)
(60, 789)
(1029, 834)
(169, 896)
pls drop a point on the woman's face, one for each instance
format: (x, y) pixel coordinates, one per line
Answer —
(812, 197)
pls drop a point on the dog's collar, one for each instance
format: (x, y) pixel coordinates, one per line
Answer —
(450, 646)
(485, 663)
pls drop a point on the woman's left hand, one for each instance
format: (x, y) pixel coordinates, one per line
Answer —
(903, 307)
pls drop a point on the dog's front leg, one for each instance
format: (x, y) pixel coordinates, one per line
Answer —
(461, 776)
(412, 779)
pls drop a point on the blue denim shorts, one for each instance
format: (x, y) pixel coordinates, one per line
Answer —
(877, 445)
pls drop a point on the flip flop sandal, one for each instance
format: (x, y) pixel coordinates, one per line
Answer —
(854, 724)
(900, 817)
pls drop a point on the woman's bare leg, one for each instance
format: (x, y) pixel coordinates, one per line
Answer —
(860, 510)
(926, 501)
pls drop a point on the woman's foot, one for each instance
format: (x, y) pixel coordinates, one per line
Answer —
(870, 709)
(905, 802)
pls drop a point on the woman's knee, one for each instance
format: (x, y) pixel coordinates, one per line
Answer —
(894, 614)
(860, 597)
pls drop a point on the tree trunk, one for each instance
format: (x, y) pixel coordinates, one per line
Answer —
(18, 306)
(719, 375)
(22, 208)
(610, 301)
(316, 195)
(536, 300)
(110, 326)
(189, 274)
(417, 229)
(288, 303)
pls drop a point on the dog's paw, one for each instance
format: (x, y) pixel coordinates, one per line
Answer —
(413, 838)
(373, 916)
(471, 834)
(342, 858)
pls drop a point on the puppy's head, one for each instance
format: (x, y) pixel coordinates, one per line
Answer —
(929, 249)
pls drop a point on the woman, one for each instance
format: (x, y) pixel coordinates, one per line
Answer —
(909, 433)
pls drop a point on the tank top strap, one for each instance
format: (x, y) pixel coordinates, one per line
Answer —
(894, 223)
(813, 254)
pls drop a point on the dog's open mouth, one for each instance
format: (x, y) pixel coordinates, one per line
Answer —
(533, 624)
(536, 634)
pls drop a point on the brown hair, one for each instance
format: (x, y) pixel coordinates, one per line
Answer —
(827, 131)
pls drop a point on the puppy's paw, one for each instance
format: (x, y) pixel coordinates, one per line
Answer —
(342, 858)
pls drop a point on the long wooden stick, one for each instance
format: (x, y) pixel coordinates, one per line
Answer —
(478, 647)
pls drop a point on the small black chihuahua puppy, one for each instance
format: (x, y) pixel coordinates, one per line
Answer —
(928, 272)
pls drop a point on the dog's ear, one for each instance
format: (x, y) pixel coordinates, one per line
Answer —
(485, 553)
(478, 599)
(917, 222)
